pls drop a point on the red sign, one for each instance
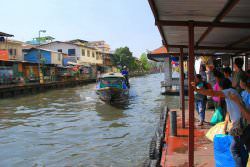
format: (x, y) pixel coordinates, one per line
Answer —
(4, 55)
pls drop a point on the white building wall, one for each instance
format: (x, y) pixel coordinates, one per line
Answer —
(54, 46)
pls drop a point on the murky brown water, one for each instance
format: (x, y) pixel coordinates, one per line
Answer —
(72, 127)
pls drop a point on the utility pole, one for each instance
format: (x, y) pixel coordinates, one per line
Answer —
(39, 53)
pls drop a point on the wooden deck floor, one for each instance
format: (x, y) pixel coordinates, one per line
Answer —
(177, 147)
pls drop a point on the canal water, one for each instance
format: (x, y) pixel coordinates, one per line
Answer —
(72, 127)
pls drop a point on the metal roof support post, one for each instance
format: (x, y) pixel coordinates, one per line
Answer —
(182, 99)
(191, 93)
(232, 61)
(246, 62)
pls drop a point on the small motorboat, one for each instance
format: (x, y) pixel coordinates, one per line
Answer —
(112, 88)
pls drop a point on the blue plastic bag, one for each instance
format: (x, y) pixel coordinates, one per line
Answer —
(222, 154)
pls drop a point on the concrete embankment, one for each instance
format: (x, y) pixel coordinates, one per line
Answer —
(32, 88)
(15, 90)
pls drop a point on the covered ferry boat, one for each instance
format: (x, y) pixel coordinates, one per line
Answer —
(112, 88)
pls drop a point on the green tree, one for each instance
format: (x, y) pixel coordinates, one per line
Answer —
(123, 57)
(134, 65)
(144, 62)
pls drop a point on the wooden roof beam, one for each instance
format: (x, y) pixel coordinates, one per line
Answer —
(227, 8)
(209, 47)
(203, 24)
(177, 54)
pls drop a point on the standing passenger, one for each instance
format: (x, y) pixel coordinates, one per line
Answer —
(218, 77)
(238, 72)
(200, 100)
(203, 73)
(244, 105)
(227, 73)
(210, 75)
(237, 148)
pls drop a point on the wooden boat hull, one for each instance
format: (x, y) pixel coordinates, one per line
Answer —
(113, 95)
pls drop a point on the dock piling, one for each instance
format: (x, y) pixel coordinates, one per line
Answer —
(173, 123)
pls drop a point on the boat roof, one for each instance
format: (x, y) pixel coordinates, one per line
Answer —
(113, 75)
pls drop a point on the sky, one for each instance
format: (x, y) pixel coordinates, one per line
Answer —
(119, 22)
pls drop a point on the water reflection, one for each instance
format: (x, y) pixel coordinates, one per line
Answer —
(109, 112)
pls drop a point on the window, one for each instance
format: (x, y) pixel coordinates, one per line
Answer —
(97, 55)
(93, 54)
(71, 52)
(88, 53)
(10, 51)
(83, 52)
(14, 52)
(59, 56)
(59, 50)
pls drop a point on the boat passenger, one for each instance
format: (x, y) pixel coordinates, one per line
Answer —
(125, 73)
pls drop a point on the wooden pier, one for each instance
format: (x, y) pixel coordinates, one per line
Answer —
(173, 89)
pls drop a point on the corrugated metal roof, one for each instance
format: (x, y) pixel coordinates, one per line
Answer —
(240, 13)
(212, 11)
(224, 36)
(200, 10)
